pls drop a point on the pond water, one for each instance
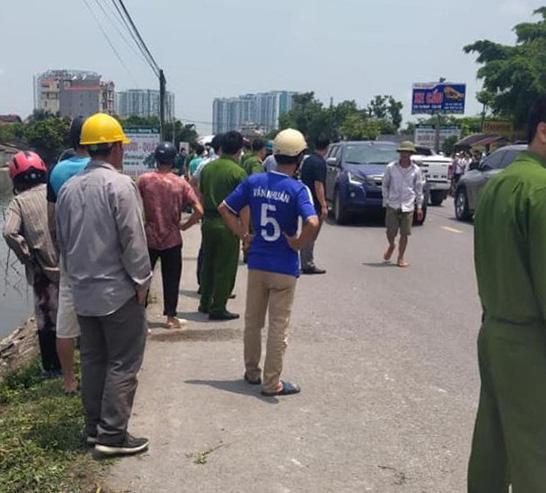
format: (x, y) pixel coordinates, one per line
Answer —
(15, 294)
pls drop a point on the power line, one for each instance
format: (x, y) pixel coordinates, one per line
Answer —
(111, 15)
(127, 26)
(155, 66)
(109, 41)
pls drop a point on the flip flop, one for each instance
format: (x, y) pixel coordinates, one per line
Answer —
(402, 264)
(287, 389)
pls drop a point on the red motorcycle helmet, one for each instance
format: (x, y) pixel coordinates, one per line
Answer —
(27, 168)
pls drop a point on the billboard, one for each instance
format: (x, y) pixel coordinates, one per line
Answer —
(425, 135)
(434, 97)
(138, 156)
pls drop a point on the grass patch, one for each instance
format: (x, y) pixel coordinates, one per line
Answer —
(41, 443)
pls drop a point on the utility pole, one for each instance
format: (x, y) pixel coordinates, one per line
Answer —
(162, 86)
(438, 125)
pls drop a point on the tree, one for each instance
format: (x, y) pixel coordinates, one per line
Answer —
(449, 145)
(343, 121)
(513, 76)
(387, 109)
(48, 137)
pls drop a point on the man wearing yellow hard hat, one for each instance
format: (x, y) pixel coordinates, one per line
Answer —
(101, 238)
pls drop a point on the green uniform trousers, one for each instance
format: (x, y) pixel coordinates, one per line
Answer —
(509, 445)
(220, 262)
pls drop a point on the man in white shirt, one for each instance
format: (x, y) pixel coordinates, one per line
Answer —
(402, 192)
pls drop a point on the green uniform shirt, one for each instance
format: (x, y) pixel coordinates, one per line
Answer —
(252, 165)
(218, 179)
(510, 243)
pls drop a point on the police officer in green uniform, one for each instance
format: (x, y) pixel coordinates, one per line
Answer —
(220, 246)
(509, 446)
(253, 163)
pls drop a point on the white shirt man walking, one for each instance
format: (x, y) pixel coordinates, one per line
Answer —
(402, 193)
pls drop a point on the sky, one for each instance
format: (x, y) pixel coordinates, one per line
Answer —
(347, 49)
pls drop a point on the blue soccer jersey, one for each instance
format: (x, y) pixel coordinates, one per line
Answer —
(276, 203)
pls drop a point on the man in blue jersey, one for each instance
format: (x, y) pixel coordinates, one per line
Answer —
(276, 202)
(68, 328)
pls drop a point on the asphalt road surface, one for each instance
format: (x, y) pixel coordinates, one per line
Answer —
(386, 358)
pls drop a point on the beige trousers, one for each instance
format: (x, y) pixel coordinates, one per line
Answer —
(276, 292)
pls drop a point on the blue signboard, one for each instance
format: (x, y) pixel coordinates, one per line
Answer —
(438, 98)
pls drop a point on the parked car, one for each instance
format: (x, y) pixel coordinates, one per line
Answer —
(469, 186)
(355, 175)
(437, 169)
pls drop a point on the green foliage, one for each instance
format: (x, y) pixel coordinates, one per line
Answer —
(41, 447)
(342, 121)
(513, 76)
(449, 145)
(48, 137)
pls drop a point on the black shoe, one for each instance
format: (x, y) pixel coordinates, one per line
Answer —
(129, 446)
(225, 315)
(202, 310)
(313, 270)
(258, 381)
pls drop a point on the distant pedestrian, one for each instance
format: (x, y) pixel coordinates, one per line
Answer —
(402, 193)
(197, 159)
(253, 162)
(220, 246)
(165, 196)
(270, 164)
(101, 236)
(509, 445)
(180, 161)
(27, 234)
(313, 174)
(68, 328)
(276, 202)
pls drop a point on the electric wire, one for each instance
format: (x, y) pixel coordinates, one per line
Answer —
(109, 41)
(110, 16)
(154, 65)
(127, 26)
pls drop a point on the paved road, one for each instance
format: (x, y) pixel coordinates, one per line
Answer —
(386, 359)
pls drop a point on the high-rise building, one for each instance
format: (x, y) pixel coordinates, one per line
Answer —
(73, 93)
(144, 103)
(251, 110)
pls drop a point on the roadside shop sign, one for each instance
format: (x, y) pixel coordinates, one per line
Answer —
(502, 128)
(138, 156)
(425, 135)
(430, 98)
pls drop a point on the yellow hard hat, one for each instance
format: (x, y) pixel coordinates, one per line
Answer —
(289, 142)
(102, 129)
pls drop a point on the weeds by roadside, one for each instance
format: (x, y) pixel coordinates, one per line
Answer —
(41, 446)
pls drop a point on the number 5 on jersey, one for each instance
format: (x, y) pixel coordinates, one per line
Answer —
(265, 220)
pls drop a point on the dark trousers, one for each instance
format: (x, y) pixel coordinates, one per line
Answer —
(46, 298)
(199, 264)
(171, 271)
(112, 348)
(220, 262)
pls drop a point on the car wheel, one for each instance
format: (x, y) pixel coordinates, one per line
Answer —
(462, 212)
(341, 216)
(436, 197)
